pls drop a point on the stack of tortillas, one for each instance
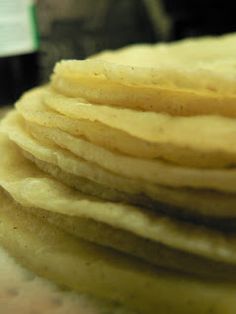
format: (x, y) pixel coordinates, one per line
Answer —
(119, 177)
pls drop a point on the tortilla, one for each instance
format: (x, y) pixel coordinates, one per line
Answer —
(130, 167)
(204, 207)
(185, 78)
(210, 148)
(210, 131)
(33, 188)
(152, 252)
(67, 190)
(165, 174)
(84, 267)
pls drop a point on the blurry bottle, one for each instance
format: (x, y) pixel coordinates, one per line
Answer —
(18, 49)
(76, 29)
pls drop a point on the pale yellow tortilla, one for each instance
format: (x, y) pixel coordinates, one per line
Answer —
(88, 268)
(33, 188)
(138, 134)
(191, 77)
(152, 252)
(210, 208)
(165, 174)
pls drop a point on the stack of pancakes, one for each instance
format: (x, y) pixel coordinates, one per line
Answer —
(119, 177)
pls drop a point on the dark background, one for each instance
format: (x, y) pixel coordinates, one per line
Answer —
(78, 28)
(75, 29)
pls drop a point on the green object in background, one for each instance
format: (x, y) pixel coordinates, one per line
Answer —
(34, 25)
(18, 29)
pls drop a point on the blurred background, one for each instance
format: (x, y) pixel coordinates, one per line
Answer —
(36, 34)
